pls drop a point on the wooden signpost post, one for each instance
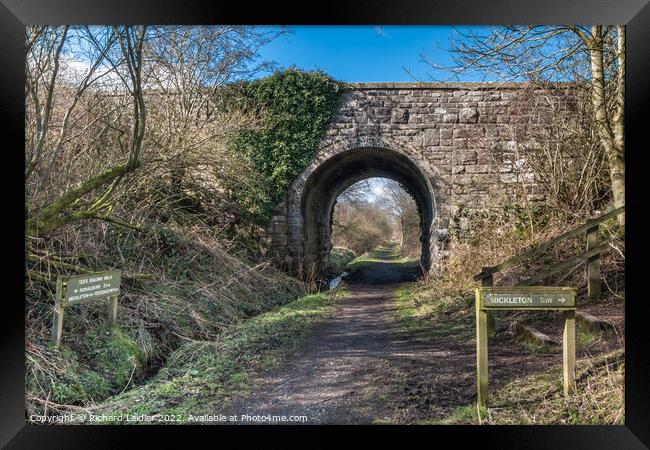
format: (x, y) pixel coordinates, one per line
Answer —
(545, 298)
(82, 288)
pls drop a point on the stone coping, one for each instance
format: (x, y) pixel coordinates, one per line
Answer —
(441, 85)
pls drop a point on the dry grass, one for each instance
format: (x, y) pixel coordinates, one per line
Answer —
(180, 284)
(538, 399)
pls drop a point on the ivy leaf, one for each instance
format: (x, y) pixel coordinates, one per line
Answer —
(296, 105)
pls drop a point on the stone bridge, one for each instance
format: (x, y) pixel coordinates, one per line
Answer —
(453, 146)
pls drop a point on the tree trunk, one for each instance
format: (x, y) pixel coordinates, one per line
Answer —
(611, 137)
(617, 166)
(617, 175)
(54, 215)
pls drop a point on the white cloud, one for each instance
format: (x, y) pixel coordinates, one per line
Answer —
(73, 70)
(381, 32)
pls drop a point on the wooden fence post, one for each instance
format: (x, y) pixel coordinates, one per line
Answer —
(593, 265)
(489, 281)
(112, 310)
(569, 352)
(59, 308)
(481, 355)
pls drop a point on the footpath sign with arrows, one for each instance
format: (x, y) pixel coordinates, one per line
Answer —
(82, 288)
(538, 298)
(91, 287)
(494, 298)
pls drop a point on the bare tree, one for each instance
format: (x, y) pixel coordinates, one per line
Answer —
(592, 58)
(362, 219)
(401, 206)
(563, 156)
(360, 227)
(357, 193)
(120, 50)
(359, 223)
(90, 84)
(116, 115)
(188, 90)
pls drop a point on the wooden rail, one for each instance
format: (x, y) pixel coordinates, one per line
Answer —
(591, 256)
(590, 228)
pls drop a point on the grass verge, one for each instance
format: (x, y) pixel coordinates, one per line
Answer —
(420, 313)
(538, 399)
(340, 257)
(179, 285)
(200, 377)
(440, 311)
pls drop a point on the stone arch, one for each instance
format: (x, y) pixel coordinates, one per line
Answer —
(458, 140)
(337, 166)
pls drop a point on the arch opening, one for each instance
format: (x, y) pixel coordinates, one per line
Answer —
(341, 171)
(377, 220)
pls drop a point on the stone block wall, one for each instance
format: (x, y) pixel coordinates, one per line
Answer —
(461, 137)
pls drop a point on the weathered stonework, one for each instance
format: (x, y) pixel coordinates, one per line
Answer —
(451, 145)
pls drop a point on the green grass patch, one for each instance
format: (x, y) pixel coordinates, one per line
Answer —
(535, 347)
(114, 360)
(425, 317)
(584, 339)
(340, 257)
(115, 355)
(386, 253)
(202, 376)
(463, 415)
(69, 382)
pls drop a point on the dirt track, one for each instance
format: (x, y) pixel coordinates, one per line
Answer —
(360, 367)
(352, 366)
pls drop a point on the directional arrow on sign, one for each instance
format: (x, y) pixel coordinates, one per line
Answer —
(561, 300)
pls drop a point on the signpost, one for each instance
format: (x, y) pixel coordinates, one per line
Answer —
(544, 298)
(82, 288)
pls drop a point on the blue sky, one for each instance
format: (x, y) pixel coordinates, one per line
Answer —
(362, 53)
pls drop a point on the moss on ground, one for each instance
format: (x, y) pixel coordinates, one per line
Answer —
(115, 355)
(114, 361)
(68, 382)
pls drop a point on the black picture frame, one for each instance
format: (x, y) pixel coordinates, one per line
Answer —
(15, 14)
